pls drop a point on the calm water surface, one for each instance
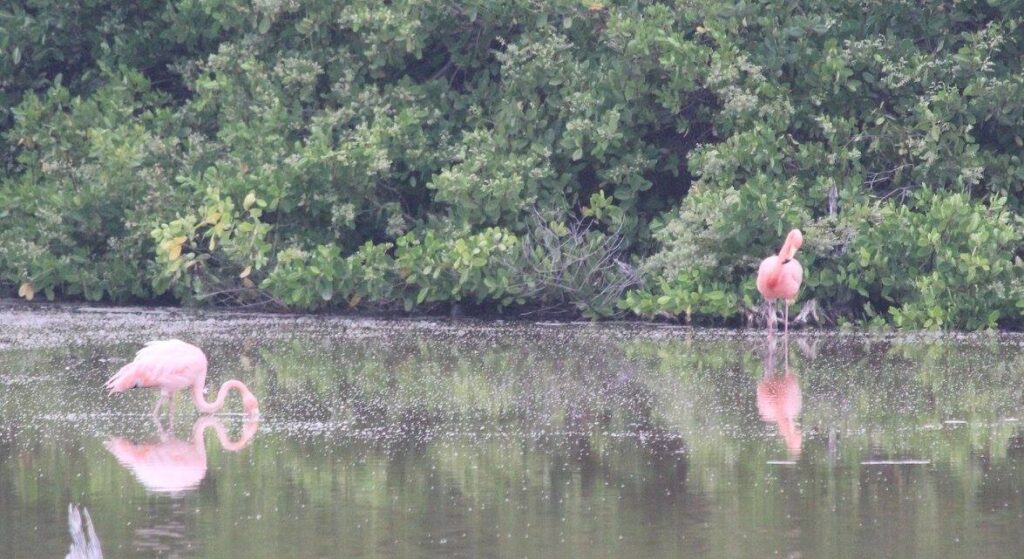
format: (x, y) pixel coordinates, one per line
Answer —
(465, 439)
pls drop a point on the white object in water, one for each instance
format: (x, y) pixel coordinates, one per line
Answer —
(84, 543)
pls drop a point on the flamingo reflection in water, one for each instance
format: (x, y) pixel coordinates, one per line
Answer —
(779, 399)
(173, 465)
(84, 543)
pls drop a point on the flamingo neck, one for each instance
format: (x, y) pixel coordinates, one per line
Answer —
(787, 251)
(213, 407)
(249, 428)
(793, 241)
(774, 272)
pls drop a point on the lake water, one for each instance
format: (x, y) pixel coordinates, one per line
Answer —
(483, 439)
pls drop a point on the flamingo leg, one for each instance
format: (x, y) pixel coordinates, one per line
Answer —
(159, 404)
(170, 414)
(785, 348)
(771, 315)
(785, 325)
(160, 431)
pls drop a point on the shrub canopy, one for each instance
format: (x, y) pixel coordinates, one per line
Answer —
(585, 157)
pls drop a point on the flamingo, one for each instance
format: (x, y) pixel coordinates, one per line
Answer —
(779, 277)
(779, 400)
(172, 365)
(173, 465)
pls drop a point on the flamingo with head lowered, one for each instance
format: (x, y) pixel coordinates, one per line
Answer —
(172, 365)
(171, 465)
(779, 277)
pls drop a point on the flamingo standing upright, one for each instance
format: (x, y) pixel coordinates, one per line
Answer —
(779, 277)
(172, 365)
(779, 399)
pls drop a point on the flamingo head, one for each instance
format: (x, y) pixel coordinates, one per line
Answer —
(250, 404)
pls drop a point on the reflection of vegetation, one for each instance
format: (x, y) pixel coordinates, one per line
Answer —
(386, 441)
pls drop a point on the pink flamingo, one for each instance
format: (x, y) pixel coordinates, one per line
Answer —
(779, 277)
(171, 365)
(779, 400)
(173, 465)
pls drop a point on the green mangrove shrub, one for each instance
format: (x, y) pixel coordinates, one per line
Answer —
(582, 157)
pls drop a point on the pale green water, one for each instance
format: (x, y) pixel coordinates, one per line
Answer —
(437, 439)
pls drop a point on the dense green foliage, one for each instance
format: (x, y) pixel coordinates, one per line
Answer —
(588, 157)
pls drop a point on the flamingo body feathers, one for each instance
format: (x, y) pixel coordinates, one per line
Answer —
(778, 280)
(170, 365)
(169, 466)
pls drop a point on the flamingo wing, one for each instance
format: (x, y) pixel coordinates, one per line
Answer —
(792, 277)
(168, 466)
(767, 276)
(167, 364)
